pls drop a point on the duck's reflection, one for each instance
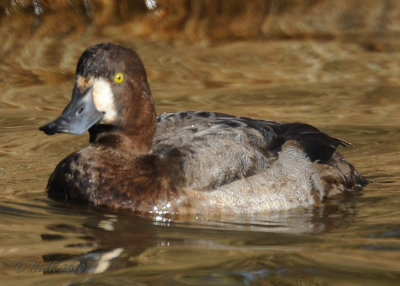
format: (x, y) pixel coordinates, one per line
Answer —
(122, 240)
(113, 239)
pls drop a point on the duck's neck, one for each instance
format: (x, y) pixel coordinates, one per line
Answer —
(134, 133)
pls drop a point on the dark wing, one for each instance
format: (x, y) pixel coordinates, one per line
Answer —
(317, 145)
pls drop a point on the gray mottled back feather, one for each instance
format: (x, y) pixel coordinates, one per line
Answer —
(217, 150)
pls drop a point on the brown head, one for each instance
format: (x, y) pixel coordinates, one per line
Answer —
(111, 98)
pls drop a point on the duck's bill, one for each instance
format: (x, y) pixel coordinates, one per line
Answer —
(79, 115)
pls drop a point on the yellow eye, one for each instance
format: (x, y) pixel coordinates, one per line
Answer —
(119, 77)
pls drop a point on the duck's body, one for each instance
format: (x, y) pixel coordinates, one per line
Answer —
(187, 162)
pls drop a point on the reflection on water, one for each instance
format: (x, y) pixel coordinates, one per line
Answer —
(256, 58)
(323, 242)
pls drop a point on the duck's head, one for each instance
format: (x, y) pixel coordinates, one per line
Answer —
(110, 90)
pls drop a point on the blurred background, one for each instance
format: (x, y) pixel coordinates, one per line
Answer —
(332, 64)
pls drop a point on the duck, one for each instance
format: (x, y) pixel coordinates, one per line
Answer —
(184, 163)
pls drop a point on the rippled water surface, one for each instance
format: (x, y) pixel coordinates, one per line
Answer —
(342, 86)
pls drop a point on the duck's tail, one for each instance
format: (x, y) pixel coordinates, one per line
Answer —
(339, 176)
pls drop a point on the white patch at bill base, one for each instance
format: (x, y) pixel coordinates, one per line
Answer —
(103, 100)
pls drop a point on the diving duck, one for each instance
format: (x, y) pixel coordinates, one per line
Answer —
(189, 162)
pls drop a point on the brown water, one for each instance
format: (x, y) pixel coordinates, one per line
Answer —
(342, 86)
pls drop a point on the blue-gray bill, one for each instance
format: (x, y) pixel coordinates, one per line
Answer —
(77, 117)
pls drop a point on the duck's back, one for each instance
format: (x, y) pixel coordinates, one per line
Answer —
(240, 160)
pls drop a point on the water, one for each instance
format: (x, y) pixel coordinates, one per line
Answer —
(341, 86)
